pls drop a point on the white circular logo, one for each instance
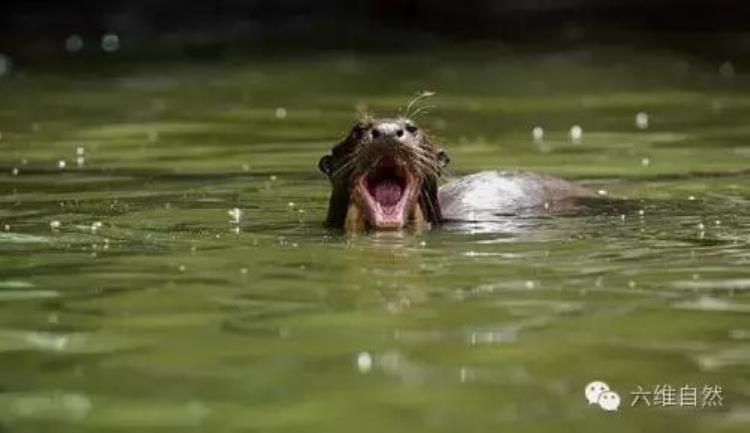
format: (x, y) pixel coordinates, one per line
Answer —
(594, 389)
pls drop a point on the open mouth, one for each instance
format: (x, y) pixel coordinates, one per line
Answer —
(387, 190)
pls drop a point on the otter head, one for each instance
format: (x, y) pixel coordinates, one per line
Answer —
(384, 176)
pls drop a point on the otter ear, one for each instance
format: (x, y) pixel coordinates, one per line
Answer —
(443, 158)
(326, 164)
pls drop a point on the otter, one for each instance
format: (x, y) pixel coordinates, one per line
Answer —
(384, 176)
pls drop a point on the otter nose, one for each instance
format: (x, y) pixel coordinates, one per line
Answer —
(387, 130)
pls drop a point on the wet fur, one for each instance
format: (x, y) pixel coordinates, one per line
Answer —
(353, 156)
(487, 195)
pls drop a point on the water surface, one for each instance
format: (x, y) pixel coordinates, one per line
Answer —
(136, 298)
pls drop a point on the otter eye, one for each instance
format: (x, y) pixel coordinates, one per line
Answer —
(326, 164)
(412, 129)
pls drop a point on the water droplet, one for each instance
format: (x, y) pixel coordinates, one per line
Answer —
(641, 212)
(645, 162)
(364, 362)
(273, 178)
(537, 133)
(14, 172)
(54, 225)
(245, 167)
(529, 284)
(701, 226)
(80, 161)
(726, 70)
(602, 192)
(73, 43)
(576, 133)
(691, 198)
(61, 164)
(182, 268)
(110, 42)
(631, 284)
(281, 113)
(243, 271)
(641, 120)
(96, 225)
(80, 150)
(6, 227)
(236, 215)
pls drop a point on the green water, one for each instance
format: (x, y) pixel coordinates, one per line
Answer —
(150, 308)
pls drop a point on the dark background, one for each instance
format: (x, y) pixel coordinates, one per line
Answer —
(33, 31)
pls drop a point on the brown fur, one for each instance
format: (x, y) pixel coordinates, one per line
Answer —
(350, 157)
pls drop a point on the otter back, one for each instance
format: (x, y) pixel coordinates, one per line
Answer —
(488, 194)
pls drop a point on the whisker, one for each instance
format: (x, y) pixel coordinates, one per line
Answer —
(422, 110)
(345, 166)
(416, 99)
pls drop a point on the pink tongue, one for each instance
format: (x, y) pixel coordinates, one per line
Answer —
(387, 193)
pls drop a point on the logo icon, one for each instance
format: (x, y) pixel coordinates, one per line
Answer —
(609, 401)
(598, 392)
